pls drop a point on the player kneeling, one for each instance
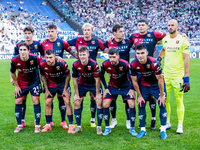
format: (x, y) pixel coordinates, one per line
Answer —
(88, 72)
(58, 82)
(152, 83)
(119, 84)
(27, 81)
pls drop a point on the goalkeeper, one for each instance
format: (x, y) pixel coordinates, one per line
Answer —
(176, 50)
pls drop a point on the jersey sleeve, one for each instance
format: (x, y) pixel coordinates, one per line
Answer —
(66, 46)
(156, 67)
(41, 50)
(131, 42)
(74, 72)
(133, 72)
(186, 46)
(12, 67)
(131, 38)
(66, 68)
(96, 70)
(72, 42)
(106, 44)
(16, 50)
(101, 45)
(159, 35)
(41, 71)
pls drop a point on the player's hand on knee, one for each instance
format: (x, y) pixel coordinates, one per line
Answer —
(162, 100)
(17, 91)
(140, 99)
(105, 92)
(186, 84)
(66, 93)
(98, 97)
(131, 92)
(47, 93)
(76, 98)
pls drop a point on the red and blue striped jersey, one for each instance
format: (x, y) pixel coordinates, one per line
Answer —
(118, 74)
(58, 46)
(34, 48)
(86, 73)
(94, 45)
(149, 40)
(56, 74)
(124, 48)
(27, 74)
(149, 70)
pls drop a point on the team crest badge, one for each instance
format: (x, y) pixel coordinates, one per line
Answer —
(93, 42)
(148, 35)
(31, 62)
(89, 67)
(123, 42)
(177, 42)
(57, 67)
(36, 47)
(58, 43)
(148, 66)
(120, 68)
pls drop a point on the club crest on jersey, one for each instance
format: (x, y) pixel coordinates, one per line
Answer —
(36, 47)
(148, 66)
(31, 62)
(120, 68)
(89, 67)
(177, 42)
(57, 67)
(93, 42)
(148, 35)
(58, 43)
(123, 42)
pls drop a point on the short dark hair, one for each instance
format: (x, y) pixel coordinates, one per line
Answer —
(116, 28)
(113, 51)
(143, 20)
(50, 51)
(83, 49)
(24, 44)
(140, 47)
(28, 29)
(52, 26)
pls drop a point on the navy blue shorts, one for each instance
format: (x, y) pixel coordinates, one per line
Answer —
(115, 92)
(82, 89)
(35, 90)
(153, 90)
(58, 90)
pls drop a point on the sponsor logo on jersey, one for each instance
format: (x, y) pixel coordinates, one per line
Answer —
(31, 62)
(121, 68)
(57, 67)
(136, 40)
(177, 42)
(89, 67)
(93, 42)
(148, 35)
(36, 47)
(58, 43)
(148, 66)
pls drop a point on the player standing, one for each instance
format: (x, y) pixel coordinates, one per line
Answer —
(152, 83)
(86, 79)
(27, 80)
(58, 82)
(94, 45)
(58, 46)
(176, 50)
(119, 84)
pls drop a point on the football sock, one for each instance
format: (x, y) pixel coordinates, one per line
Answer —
(152, 105)
(48, 119)
(113, 108)
(23, 109)
(52, 112)
(163, 115)
(142, 114)
(132, 117)
(37, 111)
(99, 116)
(77, 113)
(70, 118)
(106, 114)
(18, 115)
(93, 107)
(62, 108)
(127, 111)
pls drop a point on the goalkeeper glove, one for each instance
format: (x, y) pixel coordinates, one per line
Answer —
(159, 60)
(186, 84)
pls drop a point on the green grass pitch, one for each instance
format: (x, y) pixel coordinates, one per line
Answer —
(120, 138)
